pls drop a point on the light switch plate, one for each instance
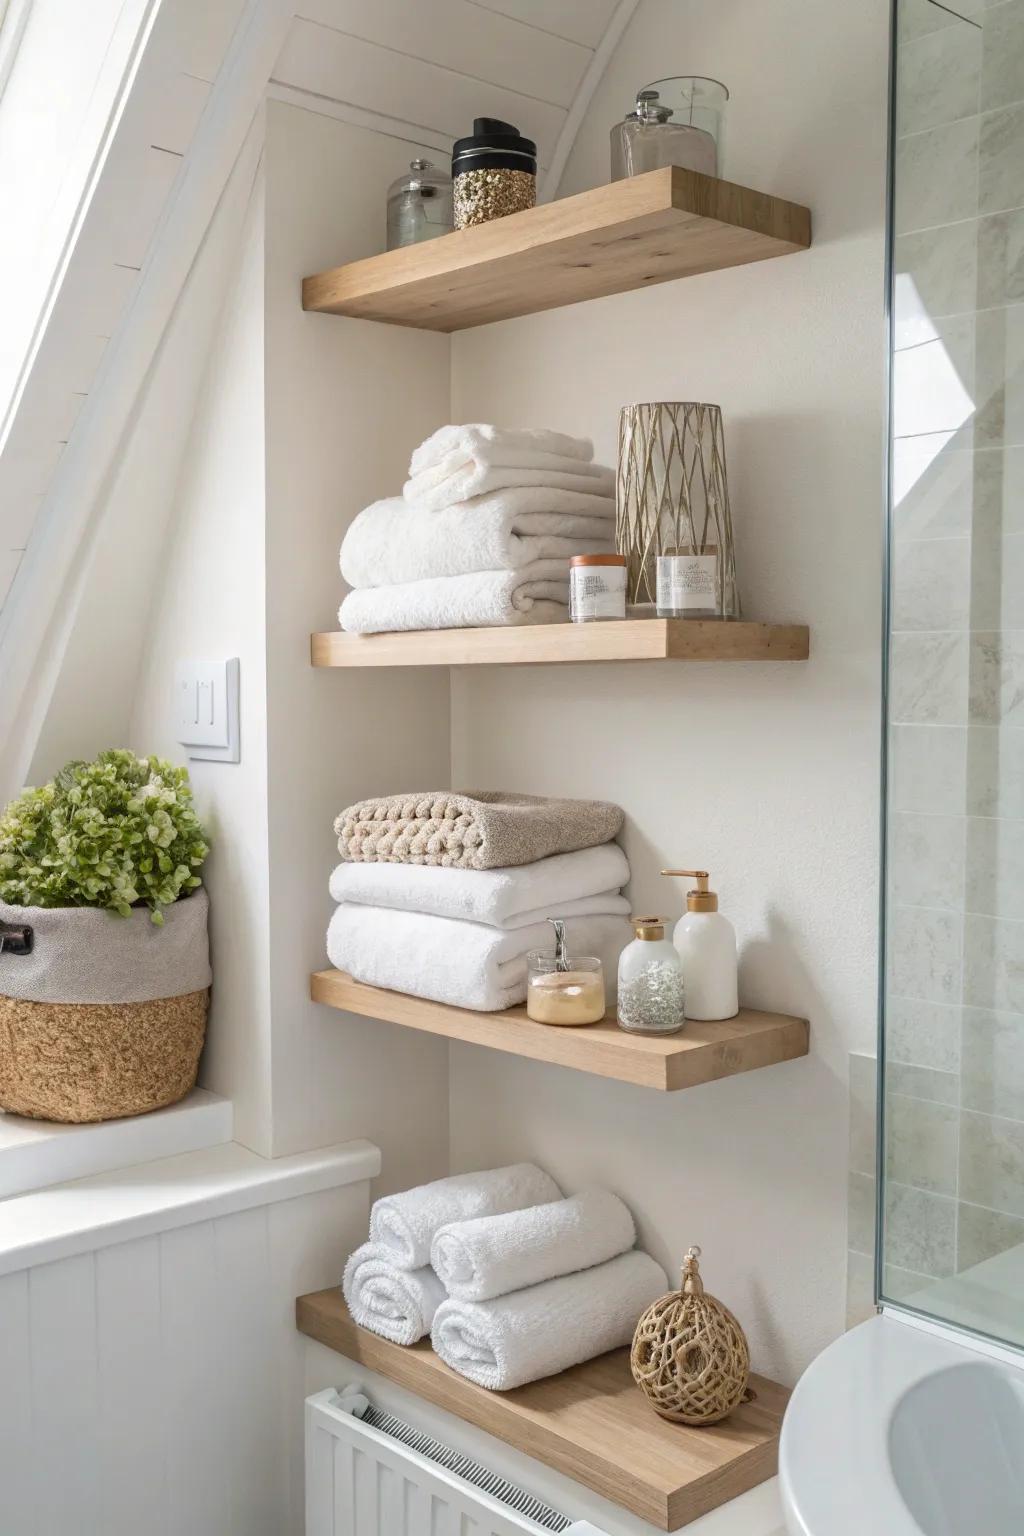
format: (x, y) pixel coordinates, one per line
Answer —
(206, 709)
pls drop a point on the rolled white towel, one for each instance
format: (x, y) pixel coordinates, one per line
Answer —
(392, 541)
(537, 593)
(399, 1304)
(563, 885)
(547, 1328)
(468, 965)
(444, 485)
(403, 1226)
(492, 1255)
(481, 439)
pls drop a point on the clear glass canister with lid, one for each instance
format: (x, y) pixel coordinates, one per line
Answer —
(419, 205)
(676, 121)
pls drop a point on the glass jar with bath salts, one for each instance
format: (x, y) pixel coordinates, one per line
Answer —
(565, 997)
(651, 992)
(597, 588)
(687, 584)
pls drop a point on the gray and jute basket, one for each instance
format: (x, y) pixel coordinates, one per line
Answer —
(101, 1016)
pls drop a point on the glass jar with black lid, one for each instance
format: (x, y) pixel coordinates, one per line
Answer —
(494, 172)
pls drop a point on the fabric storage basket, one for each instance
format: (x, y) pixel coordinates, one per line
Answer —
(102, 1016)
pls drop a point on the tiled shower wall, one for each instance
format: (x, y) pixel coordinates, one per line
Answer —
(955, 965)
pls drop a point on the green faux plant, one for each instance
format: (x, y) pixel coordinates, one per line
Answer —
(117, 833)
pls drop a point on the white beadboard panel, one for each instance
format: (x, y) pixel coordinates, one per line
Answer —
(200, 32)
(194, 1382)
(65, 1430)
(110, 1208)
(584, 21)
(318, 59)
(128, 1335)
(463, 37)
(178, 105)
(10, 559)
(36, 1153)
(257, 1452)
(15, 1403)
(130, 203)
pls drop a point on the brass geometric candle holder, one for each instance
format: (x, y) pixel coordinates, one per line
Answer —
(672, 495)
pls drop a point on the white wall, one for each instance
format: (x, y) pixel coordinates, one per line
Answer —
(767, 775)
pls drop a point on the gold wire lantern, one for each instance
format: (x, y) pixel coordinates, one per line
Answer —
(690, 1355)
(672, 495)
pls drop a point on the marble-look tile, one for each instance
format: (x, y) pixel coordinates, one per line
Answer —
(937, 176)
(992, 1162)
(925, 954)
(920, 1230)
(903, 1285)
(996, 692)
(1002, 73)
(998, 384)
(1000, 159)
(928, 678)
(860, 1288)
(933, 486)
(861, 1213)
(992, 1063)
(913, 1082)
(918, 17)
(925, 865)
(981, 1234)
(931, 584)
(995, 771)
(928, 771)
(994, 868)
(999, 260)
(993, 964)
(942, 264)
(997, 582)
(921, 1143)
(998, 493)
(923, 1034)
(863, 1112)
(933, 381)
(939, 78)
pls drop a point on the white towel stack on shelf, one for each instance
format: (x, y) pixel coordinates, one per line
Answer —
(462, 936)
(482, 534)
(512, 1281)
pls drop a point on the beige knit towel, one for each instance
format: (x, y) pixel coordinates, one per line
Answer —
(480, 829)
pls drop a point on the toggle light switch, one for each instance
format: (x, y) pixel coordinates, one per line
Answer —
(206, 703)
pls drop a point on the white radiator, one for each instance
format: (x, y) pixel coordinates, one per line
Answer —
(362, 1480)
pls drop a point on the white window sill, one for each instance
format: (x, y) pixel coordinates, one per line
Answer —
(114, 1207)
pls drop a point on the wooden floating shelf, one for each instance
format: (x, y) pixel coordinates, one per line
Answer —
(701, 1054)
(631, 234)
(590, 1423)
(622, 640)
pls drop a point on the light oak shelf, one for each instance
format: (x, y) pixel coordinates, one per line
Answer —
(631, 234)
(590, 1423)
(622, 640)
(701, 1054)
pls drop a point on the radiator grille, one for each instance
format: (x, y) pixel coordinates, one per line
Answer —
(499, 1488)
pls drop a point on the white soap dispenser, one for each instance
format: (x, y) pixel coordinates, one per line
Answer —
(706, 942)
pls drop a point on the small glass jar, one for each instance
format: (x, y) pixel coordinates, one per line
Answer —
(419, 205)
(566, 997)
(651, 994)
(687, 584)
(597, 588)
(676, 121)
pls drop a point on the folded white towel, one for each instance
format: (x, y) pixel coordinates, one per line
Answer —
(569, 884)
(392, 541)
(403, 1226)
(492, 1255)
(537, 593)
(468, 965)
(477, 439)
(549, 1327)
(399, 1304)
(434, 488)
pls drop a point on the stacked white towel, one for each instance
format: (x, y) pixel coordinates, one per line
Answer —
(482, 534)
(512, 1281)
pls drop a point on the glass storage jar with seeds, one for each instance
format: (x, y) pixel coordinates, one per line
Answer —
(652, 996)
(494, 172)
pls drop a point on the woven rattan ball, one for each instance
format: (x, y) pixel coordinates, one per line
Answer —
(690, 1355)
